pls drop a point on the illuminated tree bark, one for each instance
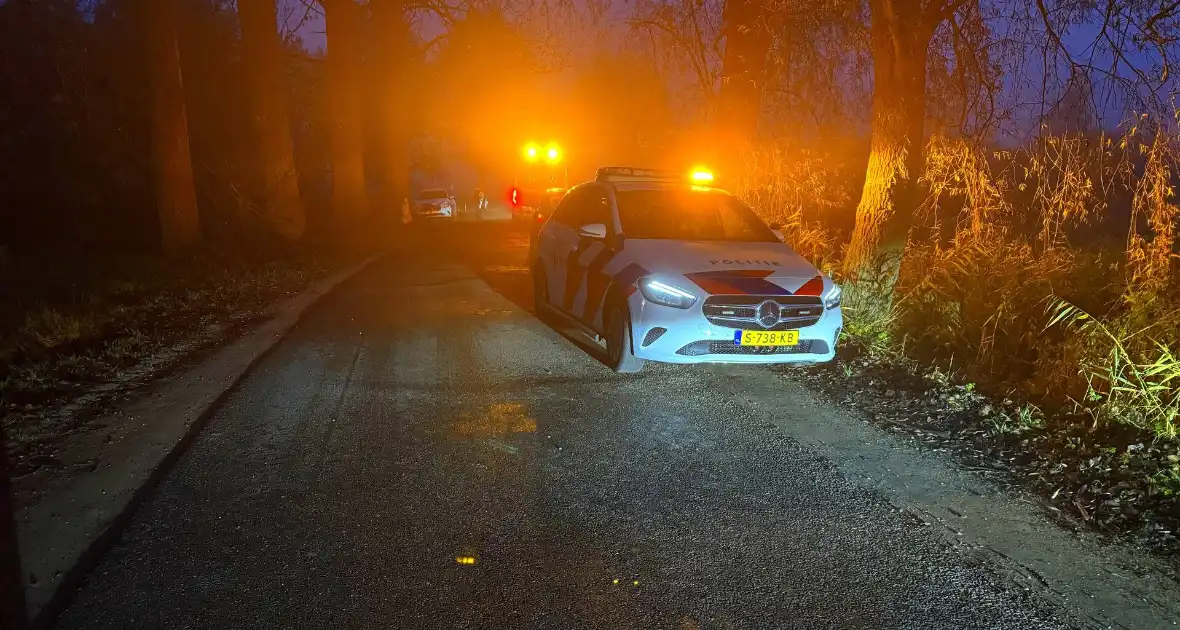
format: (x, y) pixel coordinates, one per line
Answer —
(743, 68)
(342, 19)
(900, 34)
(171, 160)
(279, 182)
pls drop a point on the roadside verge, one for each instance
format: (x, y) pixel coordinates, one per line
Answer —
(65, 531)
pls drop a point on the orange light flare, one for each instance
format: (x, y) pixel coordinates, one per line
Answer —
(701, 175)
(553, 154)
(531, 152)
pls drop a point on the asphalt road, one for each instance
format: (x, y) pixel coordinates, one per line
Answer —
(422, 452)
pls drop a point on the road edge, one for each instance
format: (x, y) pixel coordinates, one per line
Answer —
(89, 513)
(1091, 583)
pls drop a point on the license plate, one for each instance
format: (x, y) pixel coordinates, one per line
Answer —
(766, 337)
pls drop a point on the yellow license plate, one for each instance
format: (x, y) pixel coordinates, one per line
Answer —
(766, 337)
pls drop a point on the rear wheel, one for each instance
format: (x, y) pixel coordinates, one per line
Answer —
(618, 341)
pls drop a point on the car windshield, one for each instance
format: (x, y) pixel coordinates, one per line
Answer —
(685, 215)
(434, 193)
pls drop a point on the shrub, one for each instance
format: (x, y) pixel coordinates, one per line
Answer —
(807, 192)
(1015, 276)
(1006, 294)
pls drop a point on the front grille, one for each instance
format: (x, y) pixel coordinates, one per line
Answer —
(701, 348)
(750, 324)
(755, 300)
(740, 311)
(652, 335)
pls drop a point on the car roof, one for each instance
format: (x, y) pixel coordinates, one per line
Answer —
(625, 186)
(658, 185)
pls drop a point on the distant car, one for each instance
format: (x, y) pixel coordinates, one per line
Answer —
(534, 204)
(523, 203)
(434, 203)
(664, 270)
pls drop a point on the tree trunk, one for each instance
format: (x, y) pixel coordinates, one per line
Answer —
(342, 18)
(890, 195)
(743, 69)
(390, 40)
(278, 182)
(171, 160)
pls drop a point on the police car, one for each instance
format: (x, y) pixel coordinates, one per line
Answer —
(661, 269)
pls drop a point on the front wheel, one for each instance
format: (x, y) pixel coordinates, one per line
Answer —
(619, 354)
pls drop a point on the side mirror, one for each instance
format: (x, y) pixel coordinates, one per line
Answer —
(778, 233)
(593, 230)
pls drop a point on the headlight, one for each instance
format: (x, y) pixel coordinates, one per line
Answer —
(666, 294)
(832, 297)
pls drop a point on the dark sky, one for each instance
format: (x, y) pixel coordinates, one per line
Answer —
(312, 32)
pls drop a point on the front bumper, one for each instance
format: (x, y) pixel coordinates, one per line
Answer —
(445, 212)
(689, 337)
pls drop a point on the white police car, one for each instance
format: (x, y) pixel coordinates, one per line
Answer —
(669, 271)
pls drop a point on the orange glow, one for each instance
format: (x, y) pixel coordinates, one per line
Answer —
(701, 175)
(531, 152)
(496, 420)
(553, 153)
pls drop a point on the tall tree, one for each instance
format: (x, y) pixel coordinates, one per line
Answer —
(685, 38)
(1073, 112)
(171, 160)
(390, 48)
(342, 22)
(278, 181)
(900, 34)
(486, 54)
(743, 68)
(615, 130)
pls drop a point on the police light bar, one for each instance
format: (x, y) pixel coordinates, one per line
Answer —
(631, 174)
